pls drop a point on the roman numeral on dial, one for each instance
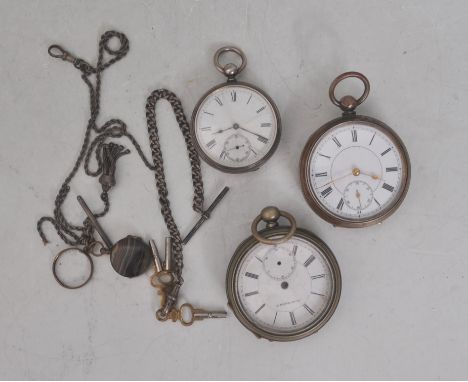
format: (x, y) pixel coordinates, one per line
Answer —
(391, 169)
(340, 204)
(318, 174)
(233, 96)
(265, 124)
(388, 187)
(306, 307)
(292, 317)
(337, 141)
(262, 139)
(211, 144)
(261, 109)
(309, 261)
(354, 135)
(259, 309)
(326, 192)
(318, 276)
(385, 152)
(217, 99)
(318, 294)
(251, 293)
(251, 275)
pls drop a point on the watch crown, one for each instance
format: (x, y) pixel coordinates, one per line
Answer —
(348, 103)
(270, 214)
(230, 70)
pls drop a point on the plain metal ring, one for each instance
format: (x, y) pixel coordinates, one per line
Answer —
(283, 239)
(232, 49)
(343, 76)
(54, 268)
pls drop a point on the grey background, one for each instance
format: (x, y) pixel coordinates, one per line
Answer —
(404, 306)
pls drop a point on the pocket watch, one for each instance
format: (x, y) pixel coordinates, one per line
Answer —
(235, 126)
(283, 283)
(355, 170)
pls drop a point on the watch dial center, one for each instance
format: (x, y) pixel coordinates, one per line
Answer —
(239, 111)
(347, 162)
(284, 285)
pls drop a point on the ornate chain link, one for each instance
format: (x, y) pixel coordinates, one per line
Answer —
(159, 167)
(107, 153)
(70, 233)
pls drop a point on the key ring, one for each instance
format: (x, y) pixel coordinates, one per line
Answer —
(230, 70)
(189, 321)
(163, 277)
(349, 103)
(102, 249)
(270, 215)
(57, 258)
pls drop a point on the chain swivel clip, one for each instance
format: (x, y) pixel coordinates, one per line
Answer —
(58, 52)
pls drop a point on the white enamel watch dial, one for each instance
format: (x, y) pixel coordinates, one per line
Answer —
(236, 127)
(355, 171)
(283, 283)
(286, 287)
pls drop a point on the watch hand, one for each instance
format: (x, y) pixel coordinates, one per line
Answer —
(357, 172)
(222, 130)
(334, 180)
(236, 148)
(375, 177)
(251, 132)
(358, 195)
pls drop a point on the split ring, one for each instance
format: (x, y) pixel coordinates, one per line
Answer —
(57, 258)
